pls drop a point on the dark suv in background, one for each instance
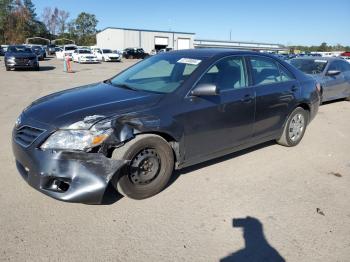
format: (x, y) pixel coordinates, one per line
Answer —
(134, 53)
(20, 56)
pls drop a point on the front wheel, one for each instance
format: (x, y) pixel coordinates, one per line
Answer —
(150, 168)
(294, 128)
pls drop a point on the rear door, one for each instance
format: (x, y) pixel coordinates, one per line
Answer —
(334, 85)
(276, 91)
(345, 69)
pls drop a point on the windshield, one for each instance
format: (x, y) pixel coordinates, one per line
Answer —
(84, 51)
(160, 74)
(107, 51)
(70, 48)
(310, 66)
(19, 49)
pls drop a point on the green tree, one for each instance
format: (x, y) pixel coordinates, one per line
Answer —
(6, 7)
(85, 28)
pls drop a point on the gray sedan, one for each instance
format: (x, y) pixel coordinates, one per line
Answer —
(332, 73)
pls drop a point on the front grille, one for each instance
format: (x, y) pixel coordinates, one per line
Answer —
(26, 135)
(22, 60)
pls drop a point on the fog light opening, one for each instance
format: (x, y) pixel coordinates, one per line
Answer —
(59, 185)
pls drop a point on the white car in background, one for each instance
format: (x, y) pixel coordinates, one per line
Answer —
(81, 55)
(346, 58)
(106, 55)
(67, 50)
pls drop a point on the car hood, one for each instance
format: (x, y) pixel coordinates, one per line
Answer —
(87, 55)
(21, 55)
(67, 107)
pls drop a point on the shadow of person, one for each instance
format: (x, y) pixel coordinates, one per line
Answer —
(256, 246)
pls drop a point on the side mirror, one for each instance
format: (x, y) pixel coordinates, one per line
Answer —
(205, 90)
(333, 72)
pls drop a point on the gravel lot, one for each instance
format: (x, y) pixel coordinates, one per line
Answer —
(299, 195)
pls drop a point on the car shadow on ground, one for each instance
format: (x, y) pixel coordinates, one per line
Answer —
(256, 246)
(47, 68)
(333, 101)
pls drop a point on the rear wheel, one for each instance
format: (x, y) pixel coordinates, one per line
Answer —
(295, 127)
(150, 168)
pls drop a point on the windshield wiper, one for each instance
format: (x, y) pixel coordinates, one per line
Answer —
(122, 85)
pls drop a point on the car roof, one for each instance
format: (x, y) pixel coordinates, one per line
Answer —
(316, 58)
(211, 52)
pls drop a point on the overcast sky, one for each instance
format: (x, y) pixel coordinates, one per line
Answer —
(305, 22)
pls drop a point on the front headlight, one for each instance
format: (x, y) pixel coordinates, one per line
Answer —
(78, 139)
(10, 59)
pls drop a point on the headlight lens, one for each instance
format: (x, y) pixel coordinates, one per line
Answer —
(78, 139)
(11, 59)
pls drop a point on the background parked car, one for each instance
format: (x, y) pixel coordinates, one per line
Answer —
(20, 56)
(333, 74)
(67, 50)
(2, 52)
(39, 51)
(106, 55)
(134, 53)
(84, 56)
(51, 49)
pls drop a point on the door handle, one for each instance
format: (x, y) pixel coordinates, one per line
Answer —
(246, 98)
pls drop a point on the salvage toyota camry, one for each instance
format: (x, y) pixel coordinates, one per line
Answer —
(166, 112)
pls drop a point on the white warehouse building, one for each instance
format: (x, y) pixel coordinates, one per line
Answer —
(120, 38)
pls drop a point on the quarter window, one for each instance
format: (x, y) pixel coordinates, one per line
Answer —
(228, 73)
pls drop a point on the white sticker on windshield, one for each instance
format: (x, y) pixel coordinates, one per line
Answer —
(189, 61)
(320, 61)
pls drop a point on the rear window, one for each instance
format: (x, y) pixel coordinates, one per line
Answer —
(310, 66)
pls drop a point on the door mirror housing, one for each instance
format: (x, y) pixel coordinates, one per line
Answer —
(333, 72)
(205, 90)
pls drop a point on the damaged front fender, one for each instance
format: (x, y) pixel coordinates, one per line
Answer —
(68, 176)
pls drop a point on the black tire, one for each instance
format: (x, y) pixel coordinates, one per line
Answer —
(37, 68)
(292, 136)
(7, 68)
(347, 99)
(137, 182)
(103, 59)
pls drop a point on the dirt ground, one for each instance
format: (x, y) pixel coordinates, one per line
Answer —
(270, 201)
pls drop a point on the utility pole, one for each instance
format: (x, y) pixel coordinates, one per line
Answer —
(230, 34)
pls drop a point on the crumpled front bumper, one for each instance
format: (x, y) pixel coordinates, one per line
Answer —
(68, 176)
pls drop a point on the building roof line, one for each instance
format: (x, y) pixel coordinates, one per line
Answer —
(235, 42)
(146, 30)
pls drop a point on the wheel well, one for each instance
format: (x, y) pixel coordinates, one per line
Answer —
(171, 140)
(304, 106)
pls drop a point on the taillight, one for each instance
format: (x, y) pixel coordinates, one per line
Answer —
(318, 87)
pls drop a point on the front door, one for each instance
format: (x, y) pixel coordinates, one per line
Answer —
(216, 123)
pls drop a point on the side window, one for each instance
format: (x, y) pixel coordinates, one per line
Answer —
(334, 66)
(228, 73)
(344, 66)
(265, 71)
(285, 74)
